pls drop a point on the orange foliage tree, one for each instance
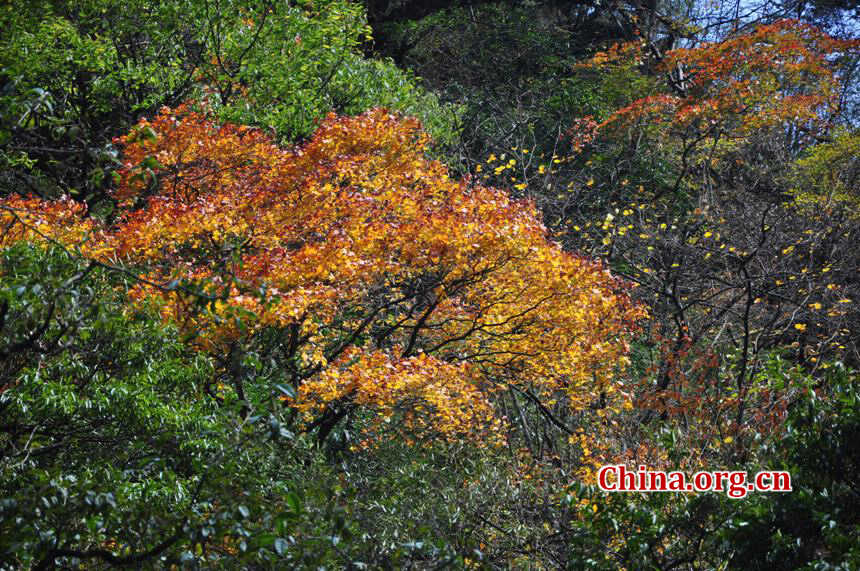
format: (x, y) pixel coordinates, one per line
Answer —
(782, 81)
(379, 283)
(780, 73)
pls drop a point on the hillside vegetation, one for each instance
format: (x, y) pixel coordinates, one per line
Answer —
(337, 285)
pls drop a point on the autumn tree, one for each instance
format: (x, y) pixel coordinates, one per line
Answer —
(785, 78)
(374, 280)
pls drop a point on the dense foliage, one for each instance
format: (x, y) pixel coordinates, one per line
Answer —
(77, 74)
(329, 284)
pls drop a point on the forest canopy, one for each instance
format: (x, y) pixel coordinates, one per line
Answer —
(332, 284)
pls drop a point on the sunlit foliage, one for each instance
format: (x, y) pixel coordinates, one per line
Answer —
(393, 286)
